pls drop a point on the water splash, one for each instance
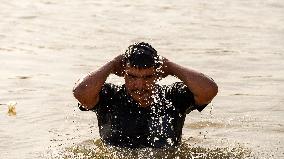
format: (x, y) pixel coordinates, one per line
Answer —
(96, 149)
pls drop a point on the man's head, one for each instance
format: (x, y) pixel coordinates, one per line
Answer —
(141, 62)
(142, 55)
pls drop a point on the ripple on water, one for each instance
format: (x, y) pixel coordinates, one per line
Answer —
(206, 124)
(96, 149)
(28, 17)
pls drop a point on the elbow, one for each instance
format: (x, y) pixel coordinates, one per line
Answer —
(84, 98)
(214, 90)
(209, 94)
(78, 94)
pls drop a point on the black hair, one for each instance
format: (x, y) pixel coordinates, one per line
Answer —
(142, 55)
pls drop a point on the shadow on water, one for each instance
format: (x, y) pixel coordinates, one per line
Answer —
(95, 149)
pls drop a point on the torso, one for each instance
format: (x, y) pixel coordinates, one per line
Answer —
(123, 122)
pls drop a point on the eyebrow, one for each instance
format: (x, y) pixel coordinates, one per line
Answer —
(132, 75)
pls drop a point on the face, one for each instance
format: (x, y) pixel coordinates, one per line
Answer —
(140, 84)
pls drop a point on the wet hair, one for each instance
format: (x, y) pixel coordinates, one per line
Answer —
(142, 55)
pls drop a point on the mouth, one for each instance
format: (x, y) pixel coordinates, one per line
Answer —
(141, 93)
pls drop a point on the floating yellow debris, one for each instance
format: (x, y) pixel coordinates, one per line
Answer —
(12, 108)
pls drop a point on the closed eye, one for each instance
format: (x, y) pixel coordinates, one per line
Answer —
(149, 76)
(144, 77)
(132, 76)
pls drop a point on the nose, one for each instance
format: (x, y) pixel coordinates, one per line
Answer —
(140, 84)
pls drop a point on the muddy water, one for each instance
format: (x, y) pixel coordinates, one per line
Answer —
(46, 45)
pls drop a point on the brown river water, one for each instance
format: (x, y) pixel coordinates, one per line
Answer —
(46, 45)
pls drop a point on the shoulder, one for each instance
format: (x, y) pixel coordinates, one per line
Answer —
(110, 91)
(177, 92)
(109, 88)
(180, 96)
(177, 87)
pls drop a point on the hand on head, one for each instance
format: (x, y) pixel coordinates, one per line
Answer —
(119, 65)
(140, 55)
(163, 70)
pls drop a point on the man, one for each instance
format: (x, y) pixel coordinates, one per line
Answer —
(142, 113)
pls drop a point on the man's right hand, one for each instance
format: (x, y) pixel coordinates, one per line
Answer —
(118, 65)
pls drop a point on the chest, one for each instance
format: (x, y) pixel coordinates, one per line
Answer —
(132, 119)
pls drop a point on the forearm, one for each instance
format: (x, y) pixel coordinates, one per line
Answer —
(203, 88)
(87, 89)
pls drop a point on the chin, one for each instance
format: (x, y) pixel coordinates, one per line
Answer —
(139, 99)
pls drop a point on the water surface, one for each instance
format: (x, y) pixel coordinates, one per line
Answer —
(46, 45)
